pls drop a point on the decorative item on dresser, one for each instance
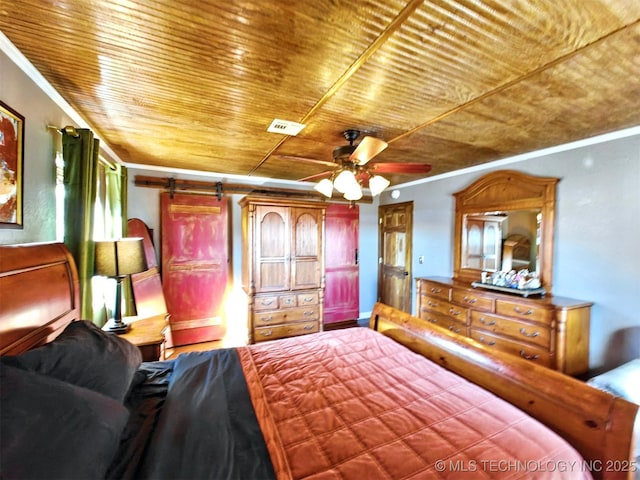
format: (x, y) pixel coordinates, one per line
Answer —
(551, 331)
(283, 266)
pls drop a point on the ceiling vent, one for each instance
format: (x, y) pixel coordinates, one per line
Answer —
(285, 127)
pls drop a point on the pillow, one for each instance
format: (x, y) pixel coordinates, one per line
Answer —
(52, 429)
(85, 356)
(623, 381)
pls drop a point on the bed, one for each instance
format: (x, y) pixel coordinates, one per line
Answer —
(397, 400)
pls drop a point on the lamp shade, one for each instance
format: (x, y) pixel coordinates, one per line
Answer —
(377, 184)
(353, 193)
(115, 258)
(345, 180)
(325, 187)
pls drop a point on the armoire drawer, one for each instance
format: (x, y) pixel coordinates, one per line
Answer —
(307, 298)
(274, 317)
(524, 311)
(521, 331)
(535, 354)
(286, 330)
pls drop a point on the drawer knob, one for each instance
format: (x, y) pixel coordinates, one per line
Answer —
(308, 327)
(432, 320)
(266, 333)
(435, 290)
(451, 327)
(432, 304)
(487, 323)
(527, 334)
(266, 302)
(266, 319)
(288, 301)
(469, 299)
(490, 343)
(522, 312)
(308, 299)
(454, 312)
(524, 355)
(308, 313)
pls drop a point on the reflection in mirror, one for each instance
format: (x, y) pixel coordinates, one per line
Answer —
(508, 240)
(504, 221)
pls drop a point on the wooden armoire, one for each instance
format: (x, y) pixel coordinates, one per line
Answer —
(283, 266)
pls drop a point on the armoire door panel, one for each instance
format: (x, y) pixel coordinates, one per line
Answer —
(342, 271)
(273, 249)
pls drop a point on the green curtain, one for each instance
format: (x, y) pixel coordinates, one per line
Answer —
(80, 155)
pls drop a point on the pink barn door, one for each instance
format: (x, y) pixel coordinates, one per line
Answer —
(195, 265)
(341, 299)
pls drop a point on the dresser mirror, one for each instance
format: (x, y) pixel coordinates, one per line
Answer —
(504, 221)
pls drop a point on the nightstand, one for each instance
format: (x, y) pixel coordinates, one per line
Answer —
(148, 334)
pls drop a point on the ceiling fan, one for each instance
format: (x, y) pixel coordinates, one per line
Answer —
(352, 168)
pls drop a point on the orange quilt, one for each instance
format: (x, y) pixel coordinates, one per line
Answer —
(354, 404)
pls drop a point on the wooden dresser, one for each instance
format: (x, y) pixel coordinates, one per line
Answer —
(283, 266)
(551, 331)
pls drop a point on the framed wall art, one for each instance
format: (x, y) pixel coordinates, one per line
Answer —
(11, 166)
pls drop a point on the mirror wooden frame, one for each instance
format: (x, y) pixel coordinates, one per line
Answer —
(508, 190)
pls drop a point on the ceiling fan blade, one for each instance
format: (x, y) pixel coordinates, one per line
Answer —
(315, 177)
(368, 148)
(406, 167)
(313, 161)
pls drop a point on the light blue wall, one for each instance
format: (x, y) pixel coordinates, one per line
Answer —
(19, 92)
(597, 230)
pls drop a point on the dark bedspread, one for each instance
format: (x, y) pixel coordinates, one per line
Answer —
(207, 428)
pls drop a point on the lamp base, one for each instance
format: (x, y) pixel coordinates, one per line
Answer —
(116, 326)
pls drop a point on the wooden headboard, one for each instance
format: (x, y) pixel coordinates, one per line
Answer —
(39, 294)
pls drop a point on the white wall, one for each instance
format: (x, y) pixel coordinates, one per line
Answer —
(597, 231)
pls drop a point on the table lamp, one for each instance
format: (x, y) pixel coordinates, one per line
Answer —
(118, 259)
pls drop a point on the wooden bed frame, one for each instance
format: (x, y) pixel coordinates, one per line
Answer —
(39, 296)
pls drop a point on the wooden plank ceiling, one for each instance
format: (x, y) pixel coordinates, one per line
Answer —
(451, 83)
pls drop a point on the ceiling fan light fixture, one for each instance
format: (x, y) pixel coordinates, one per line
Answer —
(377, 184)
(345, 180)
(325, 187)
(353, 193)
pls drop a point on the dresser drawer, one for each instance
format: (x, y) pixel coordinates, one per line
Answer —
(433, 289)
(444, 321)
(470, 299)
(288, 330)
(521, 331)
(524, 311)
(528, 352)
(445, 308)
(274, 317)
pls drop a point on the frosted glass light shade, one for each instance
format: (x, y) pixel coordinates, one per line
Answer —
(344, 180)
(353, 193)
(325, 187)
(377, 184)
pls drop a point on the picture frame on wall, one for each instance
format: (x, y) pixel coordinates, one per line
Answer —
(11, 167)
